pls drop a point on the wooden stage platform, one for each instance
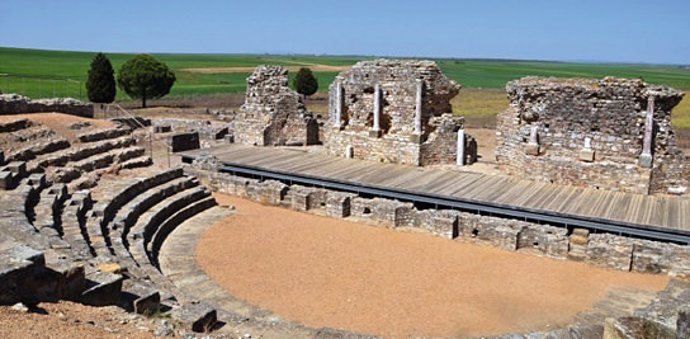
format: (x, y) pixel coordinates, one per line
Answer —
(661, 213)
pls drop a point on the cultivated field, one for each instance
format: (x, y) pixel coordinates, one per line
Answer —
(41, 73)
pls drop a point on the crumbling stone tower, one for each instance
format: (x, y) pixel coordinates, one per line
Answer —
(393, 111)
(272, 113)
(613, 134)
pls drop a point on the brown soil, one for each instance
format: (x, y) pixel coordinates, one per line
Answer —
(240, 69)
(58, 122)
(69, 320)
(328, 272)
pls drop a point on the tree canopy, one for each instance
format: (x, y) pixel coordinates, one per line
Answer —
(143, 77)
(305, 83)
(100, 85)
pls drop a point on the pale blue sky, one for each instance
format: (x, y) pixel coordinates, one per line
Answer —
(587, 30)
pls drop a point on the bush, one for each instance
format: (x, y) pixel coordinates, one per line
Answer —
(143, 77)
(100, 85)
(305, 83)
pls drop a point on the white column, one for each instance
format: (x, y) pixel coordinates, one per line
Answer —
(534, 135)
(460, 161)
(418, 108)
(377, 107)
(588, 143)
(646, 156)
(338, 104)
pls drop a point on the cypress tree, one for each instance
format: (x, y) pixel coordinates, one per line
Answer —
(100, 85)
(305, 83)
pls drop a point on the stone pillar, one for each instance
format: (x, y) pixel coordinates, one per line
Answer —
(587, 153)
(646, 156)
(349, 152)
(460, 161)
(376, 130)
(338, 104)
(418, 107)
(533, 144)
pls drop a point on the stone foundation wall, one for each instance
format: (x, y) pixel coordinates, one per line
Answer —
(610, 113)
(272, 113)
(607, 250)
(17, 104)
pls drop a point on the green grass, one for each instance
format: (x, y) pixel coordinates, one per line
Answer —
(41, 73)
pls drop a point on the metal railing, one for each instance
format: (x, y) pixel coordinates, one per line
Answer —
(135, 120)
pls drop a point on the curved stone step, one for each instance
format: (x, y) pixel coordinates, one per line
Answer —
(35, 149)
(74, 154)
(73, 225)
(102, 134)
(154, 245)
(148, 223)
(15, 125)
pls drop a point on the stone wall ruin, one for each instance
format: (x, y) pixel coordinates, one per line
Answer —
(272, 113)
(592, 133)
(395, 111)
(19, 104)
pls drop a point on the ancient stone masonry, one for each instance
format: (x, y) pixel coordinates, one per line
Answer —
(396, 111)
(272, 113)
(18, 104)
(612, 134)
(601, 249)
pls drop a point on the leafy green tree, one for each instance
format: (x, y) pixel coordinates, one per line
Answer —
(304, 82)
(100, 85)
(143, 77)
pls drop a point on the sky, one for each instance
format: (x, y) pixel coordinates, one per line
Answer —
(585, 30)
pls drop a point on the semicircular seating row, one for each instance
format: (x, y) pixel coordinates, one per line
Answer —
(68, 232)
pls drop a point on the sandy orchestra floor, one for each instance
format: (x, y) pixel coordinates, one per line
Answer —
(327, 272)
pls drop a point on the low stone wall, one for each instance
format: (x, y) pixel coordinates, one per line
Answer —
(606, 250)
(18, 104)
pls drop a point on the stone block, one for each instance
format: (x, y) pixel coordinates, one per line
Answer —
(140, 299)
(18, 168)
(636, 328)
(587, 155)
(338, 204)
(679, 261)
(102, 289)
(375, 133)
(645, 160)
(532, 149)
(444, 224)
(300, 197)
(184, 142)
(198, 317)
(162, 129)
(683, 323)
(610, 251)
(649, 257)
(549, 240)
(6, 180)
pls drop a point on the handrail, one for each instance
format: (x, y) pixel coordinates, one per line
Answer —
(133, 118)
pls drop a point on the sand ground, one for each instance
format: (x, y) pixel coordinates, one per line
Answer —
(327, 272)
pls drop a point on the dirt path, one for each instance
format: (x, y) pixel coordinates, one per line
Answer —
(327, 272)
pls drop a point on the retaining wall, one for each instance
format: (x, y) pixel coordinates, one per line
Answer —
(606, 250)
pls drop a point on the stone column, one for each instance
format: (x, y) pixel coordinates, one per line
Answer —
(533, 144)
(418, 107)
(646, 156)
(376, 130)
(460, 161)
(338, 104)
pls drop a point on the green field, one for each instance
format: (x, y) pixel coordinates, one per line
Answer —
(41, 73)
